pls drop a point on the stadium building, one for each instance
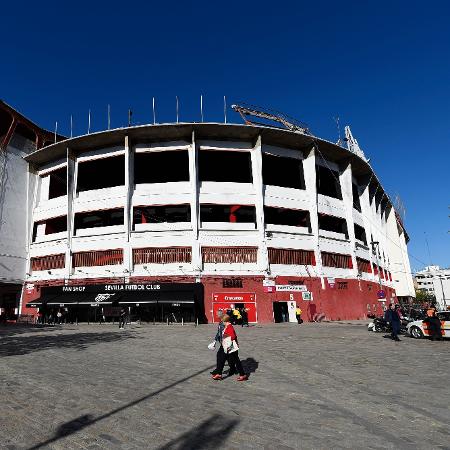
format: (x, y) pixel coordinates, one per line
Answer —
(177, 221)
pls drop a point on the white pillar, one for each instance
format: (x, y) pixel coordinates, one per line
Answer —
(195, 208)
(309, 167)
(258, 184)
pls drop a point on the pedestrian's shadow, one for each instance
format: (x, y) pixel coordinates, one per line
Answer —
(250, 365)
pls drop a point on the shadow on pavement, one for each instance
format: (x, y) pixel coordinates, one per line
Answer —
(212, 433)
(250, 365)
(87, 420)
(22, 345)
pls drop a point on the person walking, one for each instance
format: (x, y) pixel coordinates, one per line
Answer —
(393, 318)
(244, 315)
(221, 356)
(231, 350)
(122, 319)
(298, 315)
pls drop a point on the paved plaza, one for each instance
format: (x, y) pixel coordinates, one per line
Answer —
(321, 386)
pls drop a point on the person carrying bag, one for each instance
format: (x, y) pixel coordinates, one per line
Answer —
(231, 352)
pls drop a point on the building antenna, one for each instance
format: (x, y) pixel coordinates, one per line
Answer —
(89, 121)
(428, 248)
(130, 113)
(225, 109)
(56, 129)
(71, 126)
(177, 109)
(338, 125)
(201, 106)
(109, 116)
(154, 113)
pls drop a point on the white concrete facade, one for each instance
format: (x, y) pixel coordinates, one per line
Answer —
(380, 226)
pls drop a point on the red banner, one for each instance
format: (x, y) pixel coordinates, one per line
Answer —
(234, 297)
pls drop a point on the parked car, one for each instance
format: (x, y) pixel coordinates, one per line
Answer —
(419, 329)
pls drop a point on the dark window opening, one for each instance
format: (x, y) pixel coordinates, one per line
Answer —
(58, 183)
(290, 217)
(162, 214)
(327, 181)
(232, 283)
(161, 167)
(225, 166)
(101, 173)
(372, 191)
(56, 225)
(342, 285)
(360, 234)
(332, 223)
(356, 201)
(228, 213)
(337, 260)
(94, 219)
(284, 172)
(291, 257)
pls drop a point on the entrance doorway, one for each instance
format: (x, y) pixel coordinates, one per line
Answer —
(280, 312)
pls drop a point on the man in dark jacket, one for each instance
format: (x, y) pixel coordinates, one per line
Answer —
(393, 318)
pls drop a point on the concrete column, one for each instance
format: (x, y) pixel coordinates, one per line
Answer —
(195, 207)
(128, 208)
(256, 156)
(347, 197)
(309, 167)
(366, 211)
(71, 194)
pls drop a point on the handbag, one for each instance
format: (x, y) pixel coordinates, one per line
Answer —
(229, 345)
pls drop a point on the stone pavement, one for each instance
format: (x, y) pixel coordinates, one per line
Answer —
(320, 386)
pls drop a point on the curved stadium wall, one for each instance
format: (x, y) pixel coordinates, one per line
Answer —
(187, 219)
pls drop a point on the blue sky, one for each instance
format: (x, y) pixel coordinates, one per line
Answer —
(383, 67)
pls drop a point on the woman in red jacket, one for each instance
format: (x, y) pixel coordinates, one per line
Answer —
(231, 349)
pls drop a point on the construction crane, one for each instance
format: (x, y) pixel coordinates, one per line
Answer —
(275, 116)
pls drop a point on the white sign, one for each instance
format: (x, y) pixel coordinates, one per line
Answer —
(307, 296)
(291, 287)
(267, 282)
(103, 297)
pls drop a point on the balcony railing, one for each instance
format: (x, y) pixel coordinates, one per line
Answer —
(230, 255)
(160, 255)
(48, 262)
(291, 257)
(98, 258)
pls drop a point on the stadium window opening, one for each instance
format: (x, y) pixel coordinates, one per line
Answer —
(58, 183)
(328, 183)
(95, 219)
(49, 226)
(360, 234)
(225, 166)
(101, 173)
(162, 214)
(289, 217)
(161, 167)
(334, 224)
(356, 201)
(228, 213)
(282, 172)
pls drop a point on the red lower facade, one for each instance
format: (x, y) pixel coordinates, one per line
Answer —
(344, 299)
